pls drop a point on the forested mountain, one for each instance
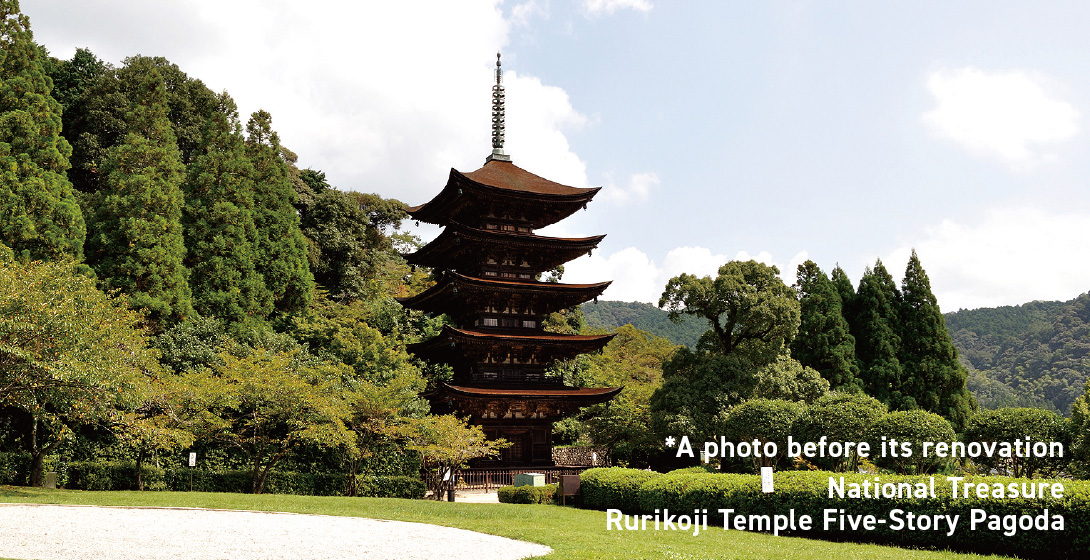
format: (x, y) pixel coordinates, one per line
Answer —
(1036, 354)
(612, 314)
(1031, 355)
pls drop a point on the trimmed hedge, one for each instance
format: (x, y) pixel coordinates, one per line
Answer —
(121, 475)
(807, 492)
(528, 494)
(613, 487)
(407, 487)
(112, 475)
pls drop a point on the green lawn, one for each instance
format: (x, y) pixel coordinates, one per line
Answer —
(572, 533)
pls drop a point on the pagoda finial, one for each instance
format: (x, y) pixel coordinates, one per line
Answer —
(498, 117)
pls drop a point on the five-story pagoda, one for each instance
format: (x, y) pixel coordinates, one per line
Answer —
(489, 261)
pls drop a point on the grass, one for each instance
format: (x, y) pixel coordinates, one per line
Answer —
(572, 533)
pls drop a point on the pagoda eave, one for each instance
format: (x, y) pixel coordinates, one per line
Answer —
(459, 245)
(456, 345)
(455, 294)
(489, 402)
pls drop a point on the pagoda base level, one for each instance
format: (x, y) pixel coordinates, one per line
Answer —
(531, 443)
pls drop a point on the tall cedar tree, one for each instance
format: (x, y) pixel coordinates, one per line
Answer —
(933, 376)
(135, 241)
(823, 341)
(73, 82)
(877, 344)
(281, 249)
(41, 217)
(219, 225)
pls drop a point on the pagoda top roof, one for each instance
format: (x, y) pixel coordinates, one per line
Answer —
(506, 185)
(506, 175)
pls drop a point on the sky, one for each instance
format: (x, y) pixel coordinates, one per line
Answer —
(841, 132)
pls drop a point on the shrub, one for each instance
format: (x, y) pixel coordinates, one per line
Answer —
(406, 487)
(915, 427)
(613, 487)
(840, 417)
(528, 494)
(14, 468)
(113, 475)
(1011, 424)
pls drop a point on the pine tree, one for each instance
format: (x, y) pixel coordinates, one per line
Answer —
(219, 225)
(823, 341)
(933, 377)
(41, 218)
(877, 344)
(135, 242)
(281, 248)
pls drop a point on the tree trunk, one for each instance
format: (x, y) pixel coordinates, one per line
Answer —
(140, 469)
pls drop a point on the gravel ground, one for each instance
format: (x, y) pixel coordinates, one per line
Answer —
(49, 532)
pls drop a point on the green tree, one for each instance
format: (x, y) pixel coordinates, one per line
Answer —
(824, 341)
(877, 345)
(267, 405)
(633, 359)
(70, 355)
(350, 251)
(1080, 434)
(747, 305)
(1015, 424)
(843, 417)
(933, 377)
(42, 219)
(219, 224)
(280, 248)
(135, 241)
(447, 443)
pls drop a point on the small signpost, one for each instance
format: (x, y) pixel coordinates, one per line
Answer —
(766, 480)
(192, 463)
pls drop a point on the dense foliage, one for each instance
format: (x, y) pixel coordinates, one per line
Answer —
(1037, 354)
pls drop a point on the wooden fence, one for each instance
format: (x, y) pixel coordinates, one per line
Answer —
(490, 479)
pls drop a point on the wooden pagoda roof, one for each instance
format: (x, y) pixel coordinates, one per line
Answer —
(453, 345)
(459, 245)
(456, 293)
(553, 401)
(501, 186)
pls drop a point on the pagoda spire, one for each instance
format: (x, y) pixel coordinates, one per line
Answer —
(498, 117)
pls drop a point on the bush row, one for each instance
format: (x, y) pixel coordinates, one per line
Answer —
(808, 493)
(14, 468)
(121, 475)
(528, 494)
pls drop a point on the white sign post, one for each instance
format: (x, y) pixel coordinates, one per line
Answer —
(766, 480)
(192, 459)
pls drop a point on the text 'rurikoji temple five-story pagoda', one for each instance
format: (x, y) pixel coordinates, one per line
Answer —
(489, 261)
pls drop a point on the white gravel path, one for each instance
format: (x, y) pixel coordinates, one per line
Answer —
(50, 532)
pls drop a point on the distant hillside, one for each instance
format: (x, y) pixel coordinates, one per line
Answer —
(1036, 354)
(644, 316)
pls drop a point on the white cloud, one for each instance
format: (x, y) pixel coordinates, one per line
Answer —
(1012, 256)
(1006, 115)
(382, 96)
(636, 277)
(637, 189)
(596, 7)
